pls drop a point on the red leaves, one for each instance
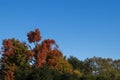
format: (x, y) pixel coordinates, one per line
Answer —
(40, 55)
(9, 72)
(7, 43)
(18, 54)
(14, 53)
(40, 58)
(34, 36)
(8, 51)
(48, 43)
(31, 53)
(42, 51)
(8, 47)
(9, 75)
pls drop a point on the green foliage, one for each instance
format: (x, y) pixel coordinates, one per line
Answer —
(43, 62)
(103, 77)
(76, 64)
(88, 77)
(97, 68)
(21, 74)
(20, 54)
(44, 73)
(68, 76)
(14, 57)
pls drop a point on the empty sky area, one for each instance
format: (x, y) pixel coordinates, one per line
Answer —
(81, 28)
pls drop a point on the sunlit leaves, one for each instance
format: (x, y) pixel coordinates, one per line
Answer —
(34, 36)
(44, 61)
(14, 55)
(18, 60)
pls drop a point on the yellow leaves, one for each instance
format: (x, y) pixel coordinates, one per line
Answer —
(16, 55)
(63, 66)
(78, 73)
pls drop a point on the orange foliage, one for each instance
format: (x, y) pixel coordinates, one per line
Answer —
(42, 51)
(34, 36)
(7, 43)
(7, 48)
(8, 51)
(53, 58)
(11, 57)
(45, 53)
(48, 43)
(30, 54)
(40, 55)
(8, 72)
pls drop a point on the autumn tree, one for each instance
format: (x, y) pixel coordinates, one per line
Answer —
(19, 59)
(15, 57)
(47, 53)
(44, 61)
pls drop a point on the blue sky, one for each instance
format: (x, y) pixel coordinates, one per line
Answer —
(82, 28)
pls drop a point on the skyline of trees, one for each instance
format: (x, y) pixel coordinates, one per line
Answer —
(45, 61)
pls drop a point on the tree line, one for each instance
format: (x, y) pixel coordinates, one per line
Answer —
(44, 61)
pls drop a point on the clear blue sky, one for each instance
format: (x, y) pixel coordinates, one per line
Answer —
(82, 28)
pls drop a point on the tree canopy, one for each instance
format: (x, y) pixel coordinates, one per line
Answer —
(45, 61)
